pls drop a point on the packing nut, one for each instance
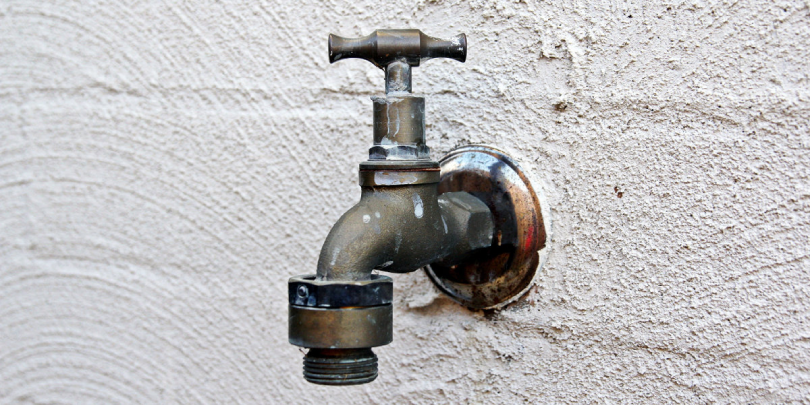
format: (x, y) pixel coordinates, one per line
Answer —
(474, 213)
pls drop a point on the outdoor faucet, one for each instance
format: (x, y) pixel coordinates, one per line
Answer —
(462, 224)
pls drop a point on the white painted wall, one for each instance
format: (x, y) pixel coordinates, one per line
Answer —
(164, 168)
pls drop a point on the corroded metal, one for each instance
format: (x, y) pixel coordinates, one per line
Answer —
(487, 277)
(340, 328)
(383, 47)
(384, 173)
(309, 291)
(398, 77)
(428, 165)
(399, 128)
(399, 117)
(384, 178)
(399, 229)
(340, 366)
(399, 120)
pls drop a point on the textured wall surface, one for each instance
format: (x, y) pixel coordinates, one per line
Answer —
(164, 168)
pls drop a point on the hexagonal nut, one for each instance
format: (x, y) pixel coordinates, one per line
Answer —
(398, 152)
(472, 216)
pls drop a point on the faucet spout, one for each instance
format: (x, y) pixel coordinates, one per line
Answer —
(399, 229)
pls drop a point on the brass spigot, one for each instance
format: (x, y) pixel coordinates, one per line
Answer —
(402, 223)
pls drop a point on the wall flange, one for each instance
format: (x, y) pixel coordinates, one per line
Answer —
(490, 277)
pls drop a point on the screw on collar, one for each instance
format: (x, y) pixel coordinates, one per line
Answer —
(396, 51)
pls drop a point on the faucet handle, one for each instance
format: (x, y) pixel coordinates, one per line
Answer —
(383, 47)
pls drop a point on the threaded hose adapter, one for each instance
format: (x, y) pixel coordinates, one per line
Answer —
(340, 366)
(339, 321)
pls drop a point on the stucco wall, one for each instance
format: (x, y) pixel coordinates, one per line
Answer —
(164, 168)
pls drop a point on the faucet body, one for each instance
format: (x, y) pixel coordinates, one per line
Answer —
(400, 224)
